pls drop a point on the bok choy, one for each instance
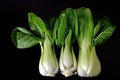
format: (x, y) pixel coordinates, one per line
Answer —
(88, 37)
(72, 25)
(66, 32)
(22, 38)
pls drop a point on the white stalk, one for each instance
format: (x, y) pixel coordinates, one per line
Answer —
(48, 65)
(67, 61)
(88, 62)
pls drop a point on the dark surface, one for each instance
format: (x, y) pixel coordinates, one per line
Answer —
(23, 64)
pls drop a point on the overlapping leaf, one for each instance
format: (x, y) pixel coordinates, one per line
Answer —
(62, 29)
(66, 21)
(37, 25)
(23, 38)
(103, 31)
(72, 22)
(85, 23)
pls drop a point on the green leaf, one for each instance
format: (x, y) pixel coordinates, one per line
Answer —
(62, 30)
(51, 23)
(68, 38)
(103, 31)
(51, 27)
(104, 36)
(55, 30)
(66, 21)
(102, 25)
(37, 25)
(85, 24)
(23, 38)
(96, 29)
(71, 20)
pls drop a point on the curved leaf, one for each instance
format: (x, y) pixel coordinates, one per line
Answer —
(102, 25)
(23, 38)
(55, 30)
(51, 27)
(96, 29)
(85, 24)
(68, 38)
(71, 20)
(103, 31)
(37, 25)
(66, 21)
(62, 29)
(103, 36)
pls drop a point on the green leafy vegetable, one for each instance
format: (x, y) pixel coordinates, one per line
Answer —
(71, 25)
(66, 33)
(88, 38)
(23, 38)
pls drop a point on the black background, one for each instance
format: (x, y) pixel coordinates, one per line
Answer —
(23, 64)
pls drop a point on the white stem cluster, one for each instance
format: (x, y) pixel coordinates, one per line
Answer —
(88, 62)
(67, 62)
(48, 65)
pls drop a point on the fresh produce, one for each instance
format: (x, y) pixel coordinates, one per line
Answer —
(70, 27)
